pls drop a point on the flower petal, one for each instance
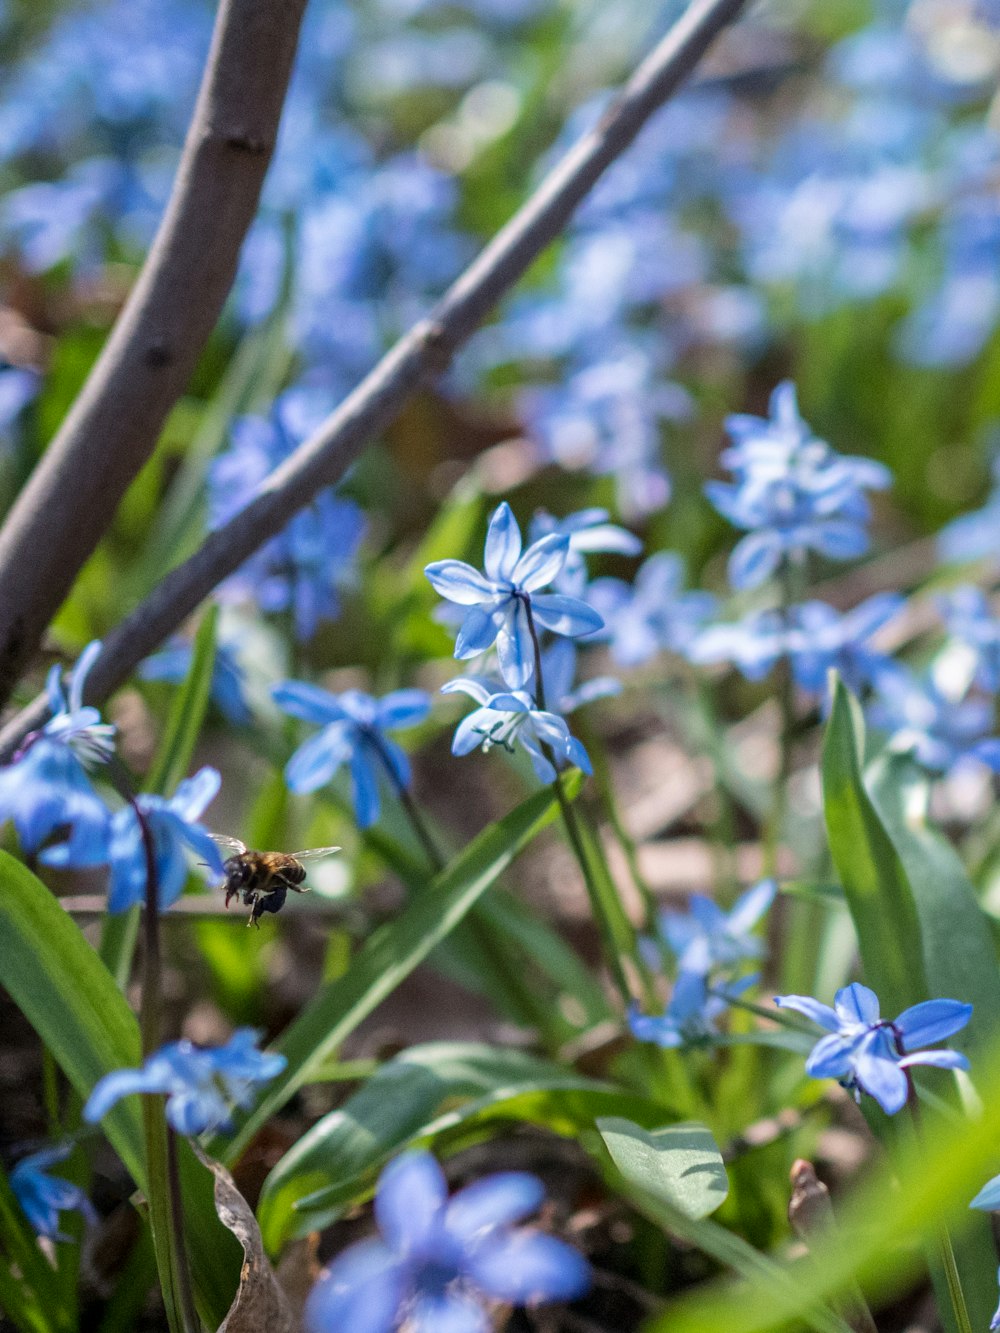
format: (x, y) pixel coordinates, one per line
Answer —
(503, 544)
(821, 1014)
(361, 1291)
(515, 647)
(364, 789)
(881, 1078)
(931, 1021)
(478, 632)
(988, 1197)
(749, 907)
(831, 1057)
(410, 1201)
(565, 615)
(403, 708)
(459, 582)
(857, 1004)
(541, 562)
(310, 703)
(527, 1267)
(497, 1200)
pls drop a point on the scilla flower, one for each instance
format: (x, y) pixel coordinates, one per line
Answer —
(354, 732)
(201, 1084)
(511, 715)
(172, 825)
(438, 1261)
(498, 601)
(868, 1053)
(43, 1197)
(72, 722)
(589, 531)
(706, 937)
(691, 1014)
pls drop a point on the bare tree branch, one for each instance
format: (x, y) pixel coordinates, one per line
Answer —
(326, 455)
(148, 360)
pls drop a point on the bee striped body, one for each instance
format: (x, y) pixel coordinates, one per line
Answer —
(261, 880)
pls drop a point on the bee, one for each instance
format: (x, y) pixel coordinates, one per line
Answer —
(262, 879)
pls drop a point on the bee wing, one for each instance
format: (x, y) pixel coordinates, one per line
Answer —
(314, 853)
(231, 845)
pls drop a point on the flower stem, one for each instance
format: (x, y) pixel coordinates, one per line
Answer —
(946, 1251)
(165, 1204)
(616, 931)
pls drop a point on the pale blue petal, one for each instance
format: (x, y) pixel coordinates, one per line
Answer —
(316, 761)
(500, 1199)
(472, 731)
(476, 687)
(831, 1057)
(565, 615)
(364, 790)
(450, 1312)
(941, 1059)
(882, 1079)
(122, 1083)
(541, 562)
(515, 648)
(361, 1292)
(478, 632)
(821, 1014)
(310, 703)
(503, 544)
(857, 1004)
(194, 794)
(931, 1021)
(459, 582)
(403, 708)
(751, 906)
(528, 1267)
(754, 559)
(410, 1202)
(988, 1197)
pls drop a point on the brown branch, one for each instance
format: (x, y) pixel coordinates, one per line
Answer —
(325, 456)
(146, 364)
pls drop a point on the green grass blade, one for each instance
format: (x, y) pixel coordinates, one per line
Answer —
(875, 883)
(187, 712)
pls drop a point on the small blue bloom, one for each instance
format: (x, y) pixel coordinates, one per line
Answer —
(72, 723)
(201, 1084)
(354, 727)
(976, 534)
(970, 621)
(509, 716)
(652, 615)
(868, 1053)
(437, 1260)
(498, 601)
(791, 492)
(172, 824)
(589, 532)
(821, 639)
(921, 718)
(228, 680)
(706, 937)
(691, 1014)
(43, 1197)
(753, 644)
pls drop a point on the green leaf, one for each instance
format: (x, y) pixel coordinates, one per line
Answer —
(875, 883)
(29, 1294)
(397, 1104)
(70, 998)
(680, 1165)
(391, 954)
(959, 954)
(187, 712)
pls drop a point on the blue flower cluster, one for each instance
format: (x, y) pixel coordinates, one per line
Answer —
(868, 1053)
(437, 1261)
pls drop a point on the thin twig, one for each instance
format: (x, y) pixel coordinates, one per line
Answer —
(324, 458)
(147, 362)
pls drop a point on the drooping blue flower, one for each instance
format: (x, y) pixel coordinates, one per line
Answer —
(589, 532)
(72, 722)
(437, 1260)
(43, 1197)
(707, 937)
(498, 600)
(202, 1084)
(821, 639)
(512, 715)
(354, 727)
(692, 1012)
(171, 823)
(970, 621)
(868, 1053)
(791, 492)
(652, 615)
(173, 662)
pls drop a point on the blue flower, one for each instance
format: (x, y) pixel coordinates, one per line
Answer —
(498, 601)
(589, 532)
(652, 615)
(437, 1260)
(753, 644)
(791, 492)
(706, 937)
(970, 621)
(868, 1053)
(691, 1013)
(18, 388)
(924, 719)
(228, 680)
(72, 723)
(302, 569)
(46, 788)
(201, 1084)
(354, 733)
(508, 716)
(821, 640)
(976, 534)
(43, 1197)
(172, 825)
